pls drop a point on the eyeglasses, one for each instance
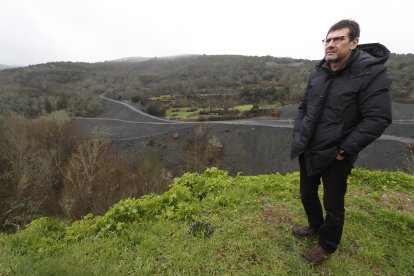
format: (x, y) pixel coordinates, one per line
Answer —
(336, 39)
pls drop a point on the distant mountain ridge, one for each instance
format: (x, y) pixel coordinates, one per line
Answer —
(141, 59)
(4, 66)
(131, 59)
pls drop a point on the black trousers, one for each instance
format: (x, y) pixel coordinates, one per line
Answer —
(334, 179)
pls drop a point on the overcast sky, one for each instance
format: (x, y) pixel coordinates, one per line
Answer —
(38, 31)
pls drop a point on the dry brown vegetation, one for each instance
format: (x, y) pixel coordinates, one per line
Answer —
(33, 154)
(47, 170)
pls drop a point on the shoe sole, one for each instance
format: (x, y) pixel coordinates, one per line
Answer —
(303, 236)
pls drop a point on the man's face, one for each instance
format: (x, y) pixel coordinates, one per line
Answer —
(340, 46)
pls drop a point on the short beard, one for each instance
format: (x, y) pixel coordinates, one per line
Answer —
(332, 58)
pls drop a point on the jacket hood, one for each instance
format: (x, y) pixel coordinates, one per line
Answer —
(373, 53)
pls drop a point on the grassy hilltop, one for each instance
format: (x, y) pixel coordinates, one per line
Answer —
(213, 223)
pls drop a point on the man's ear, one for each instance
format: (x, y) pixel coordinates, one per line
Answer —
(355, 43)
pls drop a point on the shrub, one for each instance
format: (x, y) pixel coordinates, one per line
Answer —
(155, 109)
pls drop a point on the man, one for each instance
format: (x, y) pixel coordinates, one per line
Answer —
(346, 106)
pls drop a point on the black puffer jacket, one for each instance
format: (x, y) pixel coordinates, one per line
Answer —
(345, 109)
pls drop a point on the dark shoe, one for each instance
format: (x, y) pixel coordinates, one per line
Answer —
(304, 231)
(316, 255)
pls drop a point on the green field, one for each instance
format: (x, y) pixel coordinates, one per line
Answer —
(216, 224)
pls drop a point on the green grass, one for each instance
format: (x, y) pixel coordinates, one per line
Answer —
(241, 108)
(182, 113)
(212, 223)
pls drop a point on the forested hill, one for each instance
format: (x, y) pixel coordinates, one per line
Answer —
(225, 80)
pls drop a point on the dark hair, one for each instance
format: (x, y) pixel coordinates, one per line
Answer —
(346, 23)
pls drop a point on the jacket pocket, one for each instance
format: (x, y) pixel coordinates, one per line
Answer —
(321, 159)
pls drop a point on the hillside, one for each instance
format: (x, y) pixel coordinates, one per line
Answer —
(206, 84)
(212, 223)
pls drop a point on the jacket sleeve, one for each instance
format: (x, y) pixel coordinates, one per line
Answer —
(301, 111)
(374, 106)
(302, 107)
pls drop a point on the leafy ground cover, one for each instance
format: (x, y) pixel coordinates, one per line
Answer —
(213, 223)
(234, 112)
